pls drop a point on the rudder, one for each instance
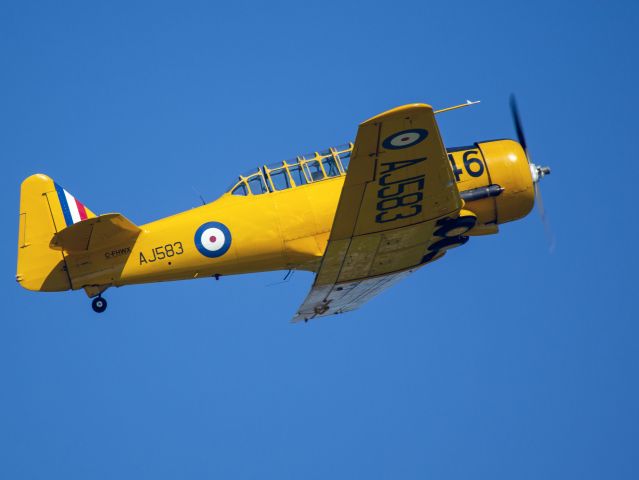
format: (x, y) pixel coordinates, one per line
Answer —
(45, 209)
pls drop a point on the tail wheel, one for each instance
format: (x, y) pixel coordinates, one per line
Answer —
(99, 304)
(454, 227)
(447, 244)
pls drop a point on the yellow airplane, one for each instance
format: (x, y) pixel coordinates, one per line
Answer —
(361, 216)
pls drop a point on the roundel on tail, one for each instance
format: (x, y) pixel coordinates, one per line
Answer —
(213, 239)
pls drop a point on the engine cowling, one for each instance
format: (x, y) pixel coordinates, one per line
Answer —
(499, 173)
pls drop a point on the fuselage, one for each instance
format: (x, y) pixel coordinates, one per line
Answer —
(277, 217)
(280, 230)
(289, 228)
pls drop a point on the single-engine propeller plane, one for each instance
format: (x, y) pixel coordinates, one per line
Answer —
(362, 216)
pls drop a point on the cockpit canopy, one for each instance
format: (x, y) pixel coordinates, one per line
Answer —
(309, 168)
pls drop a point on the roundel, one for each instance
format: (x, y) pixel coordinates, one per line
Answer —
(213, 239)
(405, 138)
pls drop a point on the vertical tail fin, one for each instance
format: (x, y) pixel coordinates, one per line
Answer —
(45, 209)
(73, 210)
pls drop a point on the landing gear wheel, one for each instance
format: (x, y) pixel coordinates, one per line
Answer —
(447, 244)
(455, 227)
(99, 304)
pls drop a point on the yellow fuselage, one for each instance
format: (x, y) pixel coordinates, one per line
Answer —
(277, 230)
(289, 229)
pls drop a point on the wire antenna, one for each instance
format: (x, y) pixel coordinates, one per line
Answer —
(199, 195)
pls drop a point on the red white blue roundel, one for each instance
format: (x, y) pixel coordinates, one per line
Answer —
(213, 239)
(405, 139)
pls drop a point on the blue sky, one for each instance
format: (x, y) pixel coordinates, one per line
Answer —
(500, 361)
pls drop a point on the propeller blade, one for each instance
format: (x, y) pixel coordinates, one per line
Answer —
(550, 235)
(517, 121)
(540, 172)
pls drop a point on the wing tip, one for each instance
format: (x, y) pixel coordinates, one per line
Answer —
(402, 109)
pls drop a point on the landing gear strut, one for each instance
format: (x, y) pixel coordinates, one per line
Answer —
(99, 304)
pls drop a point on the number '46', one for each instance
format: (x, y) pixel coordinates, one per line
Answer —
(473, 165)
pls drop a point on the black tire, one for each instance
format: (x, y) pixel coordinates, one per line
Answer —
(455, 227)
(99, 304)
(447, 244)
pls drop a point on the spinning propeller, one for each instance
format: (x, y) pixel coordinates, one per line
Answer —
(538, 172)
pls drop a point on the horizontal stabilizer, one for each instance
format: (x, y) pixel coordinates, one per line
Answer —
(94, 233)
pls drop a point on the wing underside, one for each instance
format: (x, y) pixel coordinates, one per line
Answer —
(398, 187)
(344, 297)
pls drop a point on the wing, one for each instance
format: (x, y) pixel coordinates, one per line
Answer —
(398, 187)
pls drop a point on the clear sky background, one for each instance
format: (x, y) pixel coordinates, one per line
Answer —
(501, 361)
